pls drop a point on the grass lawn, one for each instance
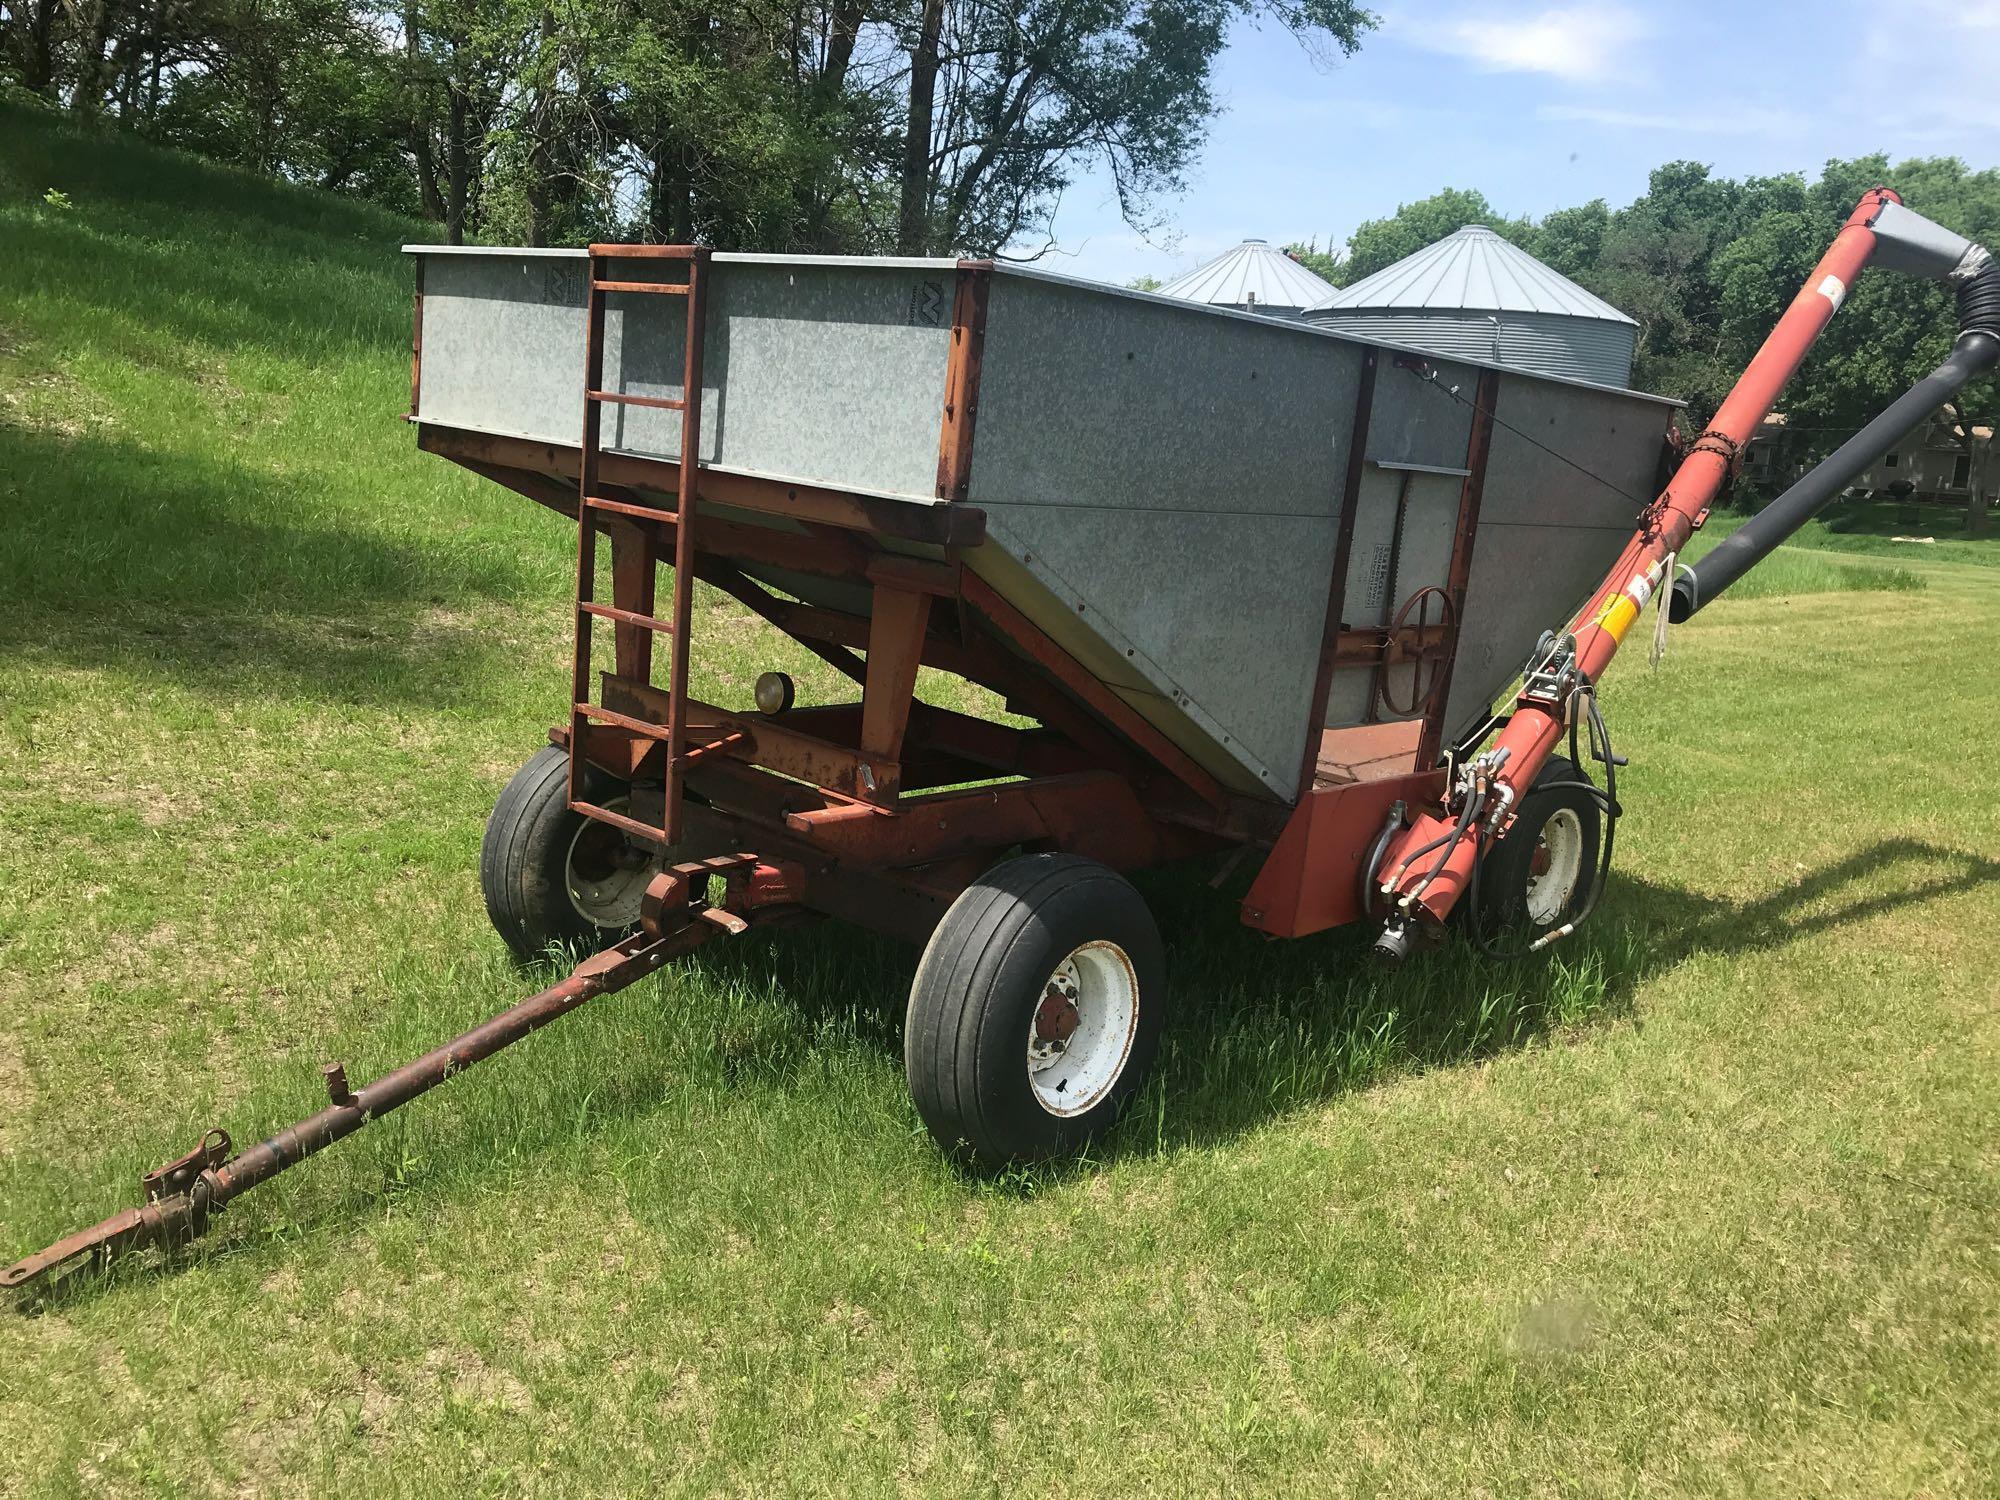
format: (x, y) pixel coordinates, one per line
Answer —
(1707, 1204)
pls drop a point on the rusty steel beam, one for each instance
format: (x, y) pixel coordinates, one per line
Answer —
(185, 1194)
(634, 579)
(417, 342)
(955, 525)
(1374, 644)
(1096, 813)
(1073, 675)
(961, 378)
(841, 769)
(897, 621)
(775, 611)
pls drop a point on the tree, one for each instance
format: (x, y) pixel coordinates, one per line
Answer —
(1324, 264)
(31, 43)
(1007, 100)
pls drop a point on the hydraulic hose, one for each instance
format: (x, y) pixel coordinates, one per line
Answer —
(1976, 351)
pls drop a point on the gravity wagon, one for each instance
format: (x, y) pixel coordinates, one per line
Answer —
(1246, 588)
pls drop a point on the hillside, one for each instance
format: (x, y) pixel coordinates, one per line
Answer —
(203, 375)
(1704, 1205)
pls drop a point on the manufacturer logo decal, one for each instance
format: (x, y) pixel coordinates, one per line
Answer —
(927, 309)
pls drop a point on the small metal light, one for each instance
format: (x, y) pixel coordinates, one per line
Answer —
(774, 693)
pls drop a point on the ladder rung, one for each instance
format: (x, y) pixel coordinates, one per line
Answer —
(645, 252)
(661, 288)
(661, 403)
(702, 752)
(626, 508)
(624, 721)
(626, 617)
(649, 831)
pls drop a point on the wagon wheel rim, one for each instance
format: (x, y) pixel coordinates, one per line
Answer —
(1555, 867)
(605, 873)
(1081, 1031)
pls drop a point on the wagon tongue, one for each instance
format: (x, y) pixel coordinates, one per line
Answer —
(183, 1194)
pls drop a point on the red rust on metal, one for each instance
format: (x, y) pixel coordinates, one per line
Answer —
(769, 741)
(657, 288)
(1415, 645)
(613, 250)
(183, 1194)
(337, 1091)
(1095, 813)
(1073, 675)
(1373, 644)
(782, 613)
(897, 623)
(634, 577)
(955, 525)
(1057, 1017)
(961, 379)
(417, 343)
(1311, 879)
(613, 969)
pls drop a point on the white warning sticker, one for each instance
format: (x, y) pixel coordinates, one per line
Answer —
(1833, 290)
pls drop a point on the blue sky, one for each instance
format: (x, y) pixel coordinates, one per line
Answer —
(1542, 105)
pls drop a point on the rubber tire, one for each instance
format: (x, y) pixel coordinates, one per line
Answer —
(975, 994)
(1503, 878)
(523, 860)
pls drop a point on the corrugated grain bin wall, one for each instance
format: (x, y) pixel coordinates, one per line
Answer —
(1543, 343)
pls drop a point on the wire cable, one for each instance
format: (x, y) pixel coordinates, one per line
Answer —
(1429, 376)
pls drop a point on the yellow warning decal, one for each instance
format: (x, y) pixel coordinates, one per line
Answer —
(1617, 616)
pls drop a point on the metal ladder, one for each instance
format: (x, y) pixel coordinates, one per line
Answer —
(694, 261)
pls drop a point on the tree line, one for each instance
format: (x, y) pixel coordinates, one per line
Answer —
(920, 127)
(1706, 264)
(863, 126)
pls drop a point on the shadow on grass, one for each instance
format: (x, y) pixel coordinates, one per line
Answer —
(112, 554)
(1261, 1028)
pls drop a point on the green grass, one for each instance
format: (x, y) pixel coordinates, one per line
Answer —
(1802, 569)
(1903, 530)
(1707, 1204)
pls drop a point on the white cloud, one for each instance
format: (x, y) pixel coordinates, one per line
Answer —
(1733, 120)
(1954, 48)
(1582, 43)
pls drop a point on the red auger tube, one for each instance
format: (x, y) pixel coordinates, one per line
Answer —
(1424, 891)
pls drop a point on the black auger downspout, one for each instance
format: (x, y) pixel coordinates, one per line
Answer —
(1976, 351)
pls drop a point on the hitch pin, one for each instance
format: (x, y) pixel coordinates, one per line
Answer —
(338, 1093)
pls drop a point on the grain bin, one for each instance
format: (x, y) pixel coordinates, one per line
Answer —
(1473, 295)
(1254, 278)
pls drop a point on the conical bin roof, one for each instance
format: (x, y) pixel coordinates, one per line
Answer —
(1474, 270)
(1253, 274)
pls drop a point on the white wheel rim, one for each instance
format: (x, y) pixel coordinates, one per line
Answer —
(1556, 867)
(1080, 1032)
(608, 885)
